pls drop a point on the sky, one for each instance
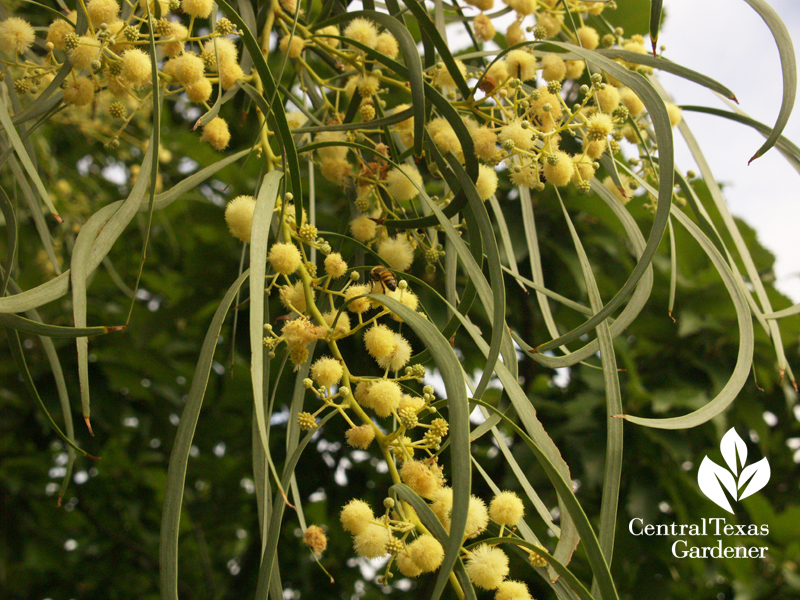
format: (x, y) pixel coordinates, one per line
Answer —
(729, 42)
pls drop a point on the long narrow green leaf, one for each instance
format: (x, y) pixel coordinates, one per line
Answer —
(59, 286)
(12, 236)
(741, 247)
(269, 555)
(638, 299)
(22, 367)
(746, 341)
(655, 22)
(259, 240)
(34, 209)
(88, 242)
(786, 312)
(662, 64)
(614, 441)
(788, 70)
(498, 305)
(179, 458)
(785, 146)
(54, 331)
(25, 159)
(458, 417)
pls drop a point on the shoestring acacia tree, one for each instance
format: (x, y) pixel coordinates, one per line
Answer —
(424, 236)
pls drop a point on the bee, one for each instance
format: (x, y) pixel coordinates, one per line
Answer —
(385, 277)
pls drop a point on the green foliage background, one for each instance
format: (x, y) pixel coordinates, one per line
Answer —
(103, 541)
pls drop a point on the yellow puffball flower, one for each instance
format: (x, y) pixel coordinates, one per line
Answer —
(226, 52)
(102, 11)
(361, 305)
(675, 114)
(336, 171)
(547, 119)
(371, 542)
(599, 126)
(342, 322)
(327, 371)
(384, 397)
(426, 552)
(331, 152)
(419, 478)
(512, 590)
(387, 45)
(294, 296)
(521, 136)
(396, 252)
(179, 34)
(559, 174)
(631, 101)
(594, 150)
(239, 217)
(551, 23)
(400, 182)
(335, 265)
(360, 437)
(496, 74)
(186, 68)
(608, 99)
(380, 341)
(487, 566)
(216, 133)
(399, 357)
(444, 137)
(442, 77)
(409, 401)
(588, 37)
(315, 539)
(484, 29)
(506, 509)
(355, 516)
(515, 34)
(292, 46)
(584, 169)
(229, 74)
(477, 517)
(521, 64)
(485, 142)
(362, 31)
(329, 30)
(406, 566)
(367, 85)
(85, 53)
(523, 7)
(198, 91)
(79, 91)
(575, 69)
(487, 182)
(199, 9)
(555, 69)
(60, 28)
(136, 66)
(284, 258)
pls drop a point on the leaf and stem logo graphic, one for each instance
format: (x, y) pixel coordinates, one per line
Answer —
(714, 480)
